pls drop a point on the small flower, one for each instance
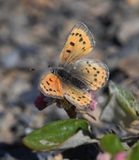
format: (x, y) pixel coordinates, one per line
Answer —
(121, 156)
(103, 156)
(41, 102)
(94, 101)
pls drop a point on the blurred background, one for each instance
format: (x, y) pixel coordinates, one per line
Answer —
(32, 34)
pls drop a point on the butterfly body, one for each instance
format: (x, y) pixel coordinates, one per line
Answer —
(75, 78)
(66, 77)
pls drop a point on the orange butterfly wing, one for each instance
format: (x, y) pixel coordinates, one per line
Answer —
(79, 43)
(50, 85)
(93, 73)
(79, 98)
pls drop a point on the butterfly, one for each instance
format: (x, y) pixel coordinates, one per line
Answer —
(74, 78)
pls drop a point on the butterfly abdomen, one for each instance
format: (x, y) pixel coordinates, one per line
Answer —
(66, 77)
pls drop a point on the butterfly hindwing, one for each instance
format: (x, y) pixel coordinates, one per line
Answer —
(79, 98)
(50, 85)
(93, 73)
(80, 42)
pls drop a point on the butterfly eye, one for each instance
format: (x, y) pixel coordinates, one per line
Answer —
(53, 70)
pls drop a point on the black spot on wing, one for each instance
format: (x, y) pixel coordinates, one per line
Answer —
(84, 42)
(83, 48)
(69, 51)
(47, 82)
(50, 80)
(98, 72)
(72, 43)
(81, 39)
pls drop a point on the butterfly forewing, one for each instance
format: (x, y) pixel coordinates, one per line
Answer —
(50, 85)
(80, 42)
(93, 73)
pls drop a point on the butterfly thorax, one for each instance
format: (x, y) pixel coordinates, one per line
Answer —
(66, 77)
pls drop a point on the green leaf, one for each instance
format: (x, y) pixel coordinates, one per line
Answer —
(54, 134)
(111, 143)
(125, 99)
(134, 154)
